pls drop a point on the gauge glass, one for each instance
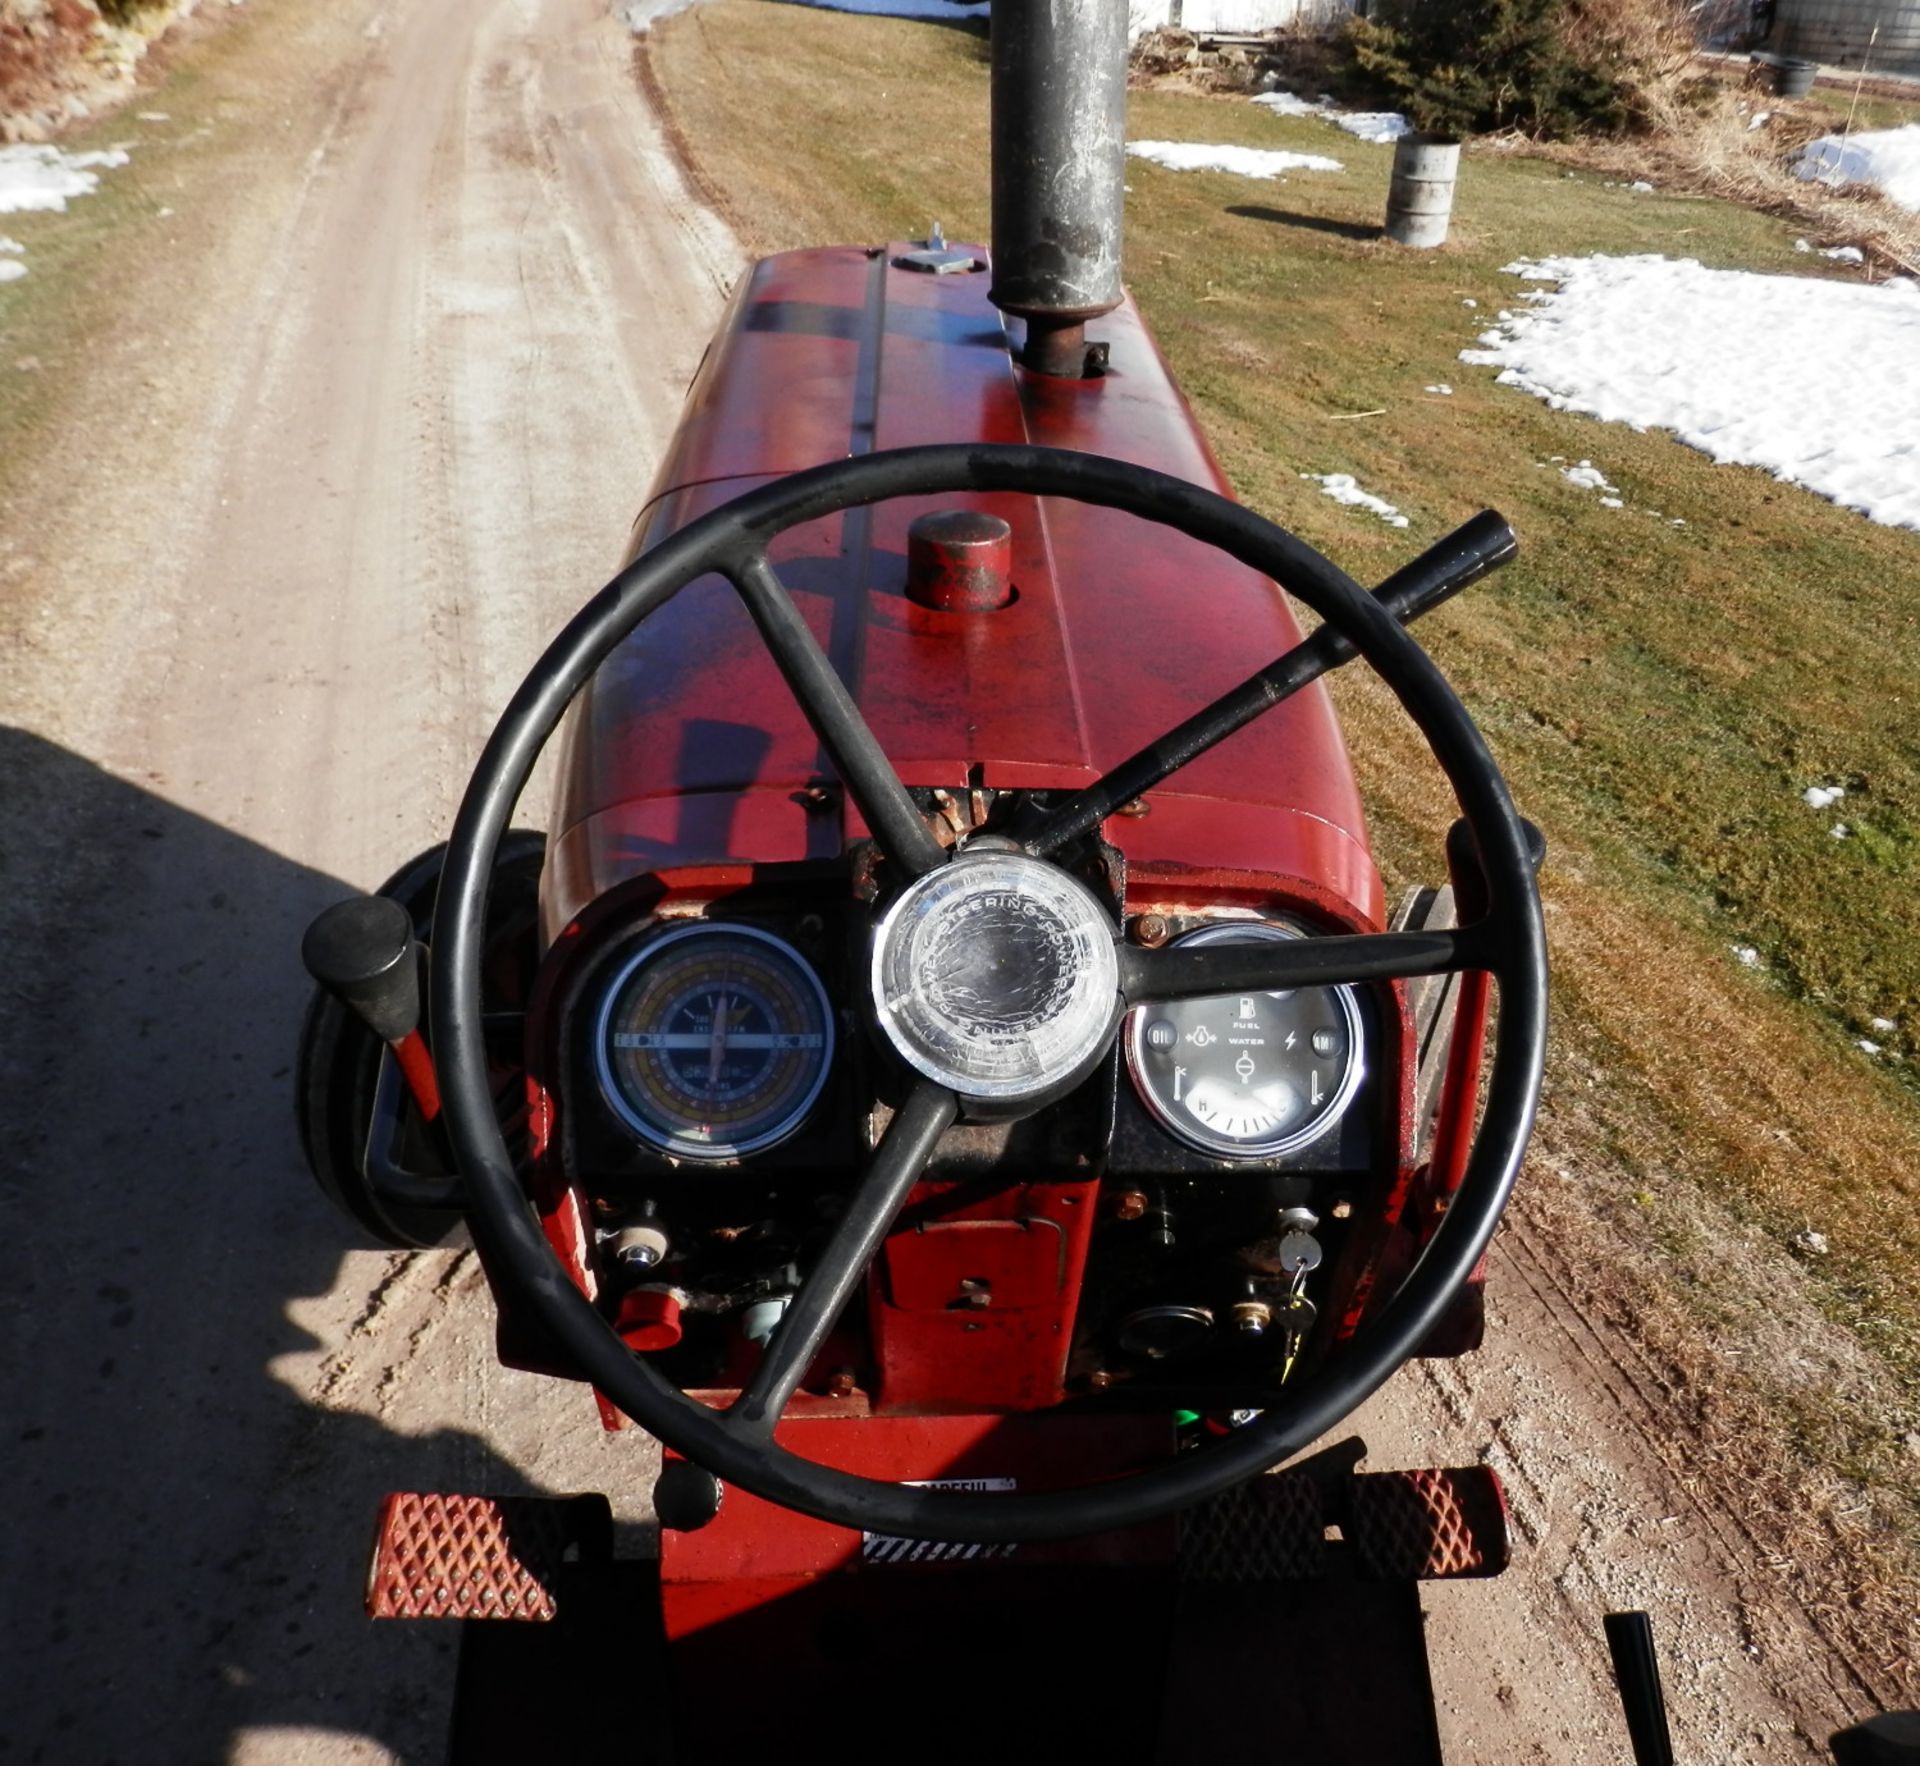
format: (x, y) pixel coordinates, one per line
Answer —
(714, 1041)
(1248, 1076)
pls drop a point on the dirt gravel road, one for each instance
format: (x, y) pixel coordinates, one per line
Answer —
(376, 425)
(408, 373)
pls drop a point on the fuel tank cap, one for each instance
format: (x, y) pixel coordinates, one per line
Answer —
(996, 976)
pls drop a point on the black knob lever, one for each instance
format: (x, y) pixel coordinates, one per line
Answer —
(362, 951)
(1636, 1671)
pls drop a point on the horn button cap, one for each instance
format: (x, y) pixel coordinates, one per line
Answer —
(997, 977)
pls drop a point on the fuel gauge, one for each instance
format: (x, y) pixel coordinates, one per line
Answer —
(1248, 1076)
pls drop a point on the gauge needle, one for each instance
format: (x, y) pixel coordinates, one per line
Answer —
(717, 1042)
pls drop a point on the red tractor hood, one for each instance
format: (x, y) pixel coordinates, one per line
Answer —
(687, 750)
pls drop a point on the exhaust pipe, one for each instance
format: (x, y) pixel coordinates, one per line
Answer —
(1059, 170)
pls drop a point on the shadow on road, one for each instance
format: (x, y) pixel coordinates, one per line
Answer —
(185, 1534)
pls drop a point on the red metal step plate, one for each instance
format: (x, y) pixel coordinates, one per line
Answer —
(443, 1556)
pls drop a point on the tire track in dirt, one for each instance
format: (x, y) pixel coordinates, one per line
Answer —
(412, 387)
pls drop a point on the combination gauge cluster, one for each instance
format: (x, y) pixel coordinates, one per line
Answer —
(714, 1041)
(1248, 1076)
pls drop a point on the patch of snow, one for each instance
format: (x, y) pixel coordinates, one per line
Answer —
(1243, 162)
(1654, 342)
(1377, 126)
(42, 178)
(1588, 477)
(1840, 831)
(1443, 389)
(1872, 1048)
(10, 247)
(1475, 303)
(1641, 185)
(642, 15)
(1612, 503)
(880, 8)
(1291, 104)
(1883, 1025)
(1822, 796)
(11, 269)
(1809, 1240)
(153, 116)
(1746, 955)
(1803, 245)
(1343, 488)
(1889, 159)
(1760, 119)
(1845, 254)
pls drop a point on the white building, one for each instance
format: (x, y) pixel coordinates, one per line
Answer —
(1228, 15)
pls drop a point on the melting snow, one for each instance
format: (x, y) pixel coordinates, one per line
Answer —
(1883, 1025)
(1840, 831)
(1822, 796)
(11, 269)
(1659, 343)
(1845, 254)
(1587, 476)
(1291, 104)
(1379, 126)
(1342, 488)
(1748, 957)
(642, 16)
(1245, 162)
(1872, 1048)
(1443, 389)
(35, 177)
(1886, 158)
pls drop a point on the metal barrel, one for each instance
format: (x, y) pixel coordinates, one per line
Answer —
(1420, 199)
(1059, 157)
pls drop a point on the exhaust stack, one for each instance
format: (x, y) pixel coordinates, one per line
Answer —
(1059, 167)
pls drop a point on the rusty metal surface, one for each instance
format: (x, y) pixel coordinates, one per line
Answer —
(443, 1556)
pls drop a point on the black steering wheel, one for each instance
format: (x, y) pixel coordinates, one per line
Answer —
(1508, 942)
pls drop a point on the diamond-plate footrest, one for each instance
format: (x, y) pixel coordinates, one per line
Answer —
(1430, 1524)
(441, 1556)
(1265, 1530)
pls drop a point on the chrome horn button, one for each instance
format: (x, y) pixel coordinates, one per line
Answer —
(997, 977)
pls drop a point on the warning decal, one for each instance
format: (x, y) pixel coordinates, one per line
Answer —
(888, 1548)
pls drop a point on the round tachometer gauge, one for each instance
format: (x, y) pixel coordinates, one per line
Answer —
(1248, 1076)
(714, 1041)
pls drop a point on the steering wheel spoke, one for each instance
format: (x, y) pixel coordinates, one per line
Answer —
(1182, 972)
(897, 1164)
(1507, 938)
(1446, 567)
(897, 825)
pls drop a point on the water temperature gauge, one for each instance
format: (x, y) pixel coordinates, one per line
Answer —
(714, 1040)
(1248, 1076)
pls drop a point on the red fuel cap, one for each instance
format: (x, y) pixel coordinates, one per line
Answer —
(959, 561)
(650, 1319)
